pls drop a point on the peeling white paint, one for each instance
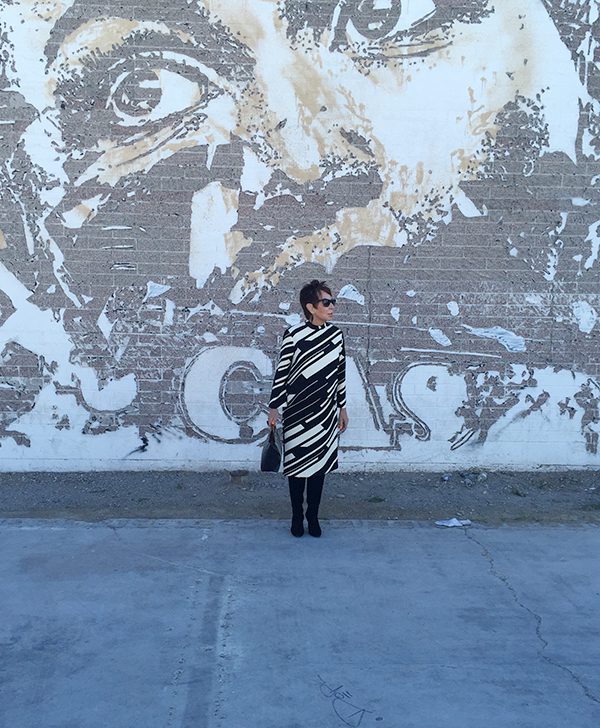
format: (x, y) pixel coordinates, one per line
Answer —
(214, 213)
(439, 336)
(594, 239)
(586, 316)
(104, 324)
(467, 207)
(293, 319)
(395, 313)
(169, 313)
(154, 290)
(115, 395)
(509, 340)
(452, 306)
(352, 293)
(84, 211)
(256, 174)
(211, 307)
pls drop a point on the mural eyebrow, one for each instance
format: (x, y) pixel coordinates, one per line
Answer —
(450, 11)
(201, 38)
(298, 12)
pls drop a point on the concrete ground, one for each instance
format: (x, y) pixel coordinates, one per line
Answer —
(215, 623)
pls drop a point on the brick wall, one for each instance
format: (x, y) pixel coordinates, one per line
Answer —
(172, 173)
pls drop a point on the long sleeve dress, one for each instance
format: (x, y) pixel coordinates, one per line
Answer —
(310, 385)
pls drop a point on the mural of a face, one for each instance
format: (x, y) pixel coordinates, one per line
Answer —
(170, 181)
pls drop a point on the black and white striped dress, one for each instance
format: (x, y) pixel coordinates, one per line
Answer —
(310, 385)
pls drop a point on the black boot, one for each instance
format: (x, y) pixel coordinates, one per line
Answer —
(297, 500)
(314, 489)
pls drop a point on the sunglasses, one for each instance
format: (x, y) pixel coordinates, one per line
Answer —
(327, 302)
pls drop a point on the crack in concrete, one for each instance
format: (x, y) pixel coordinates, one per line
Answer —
(538, 619)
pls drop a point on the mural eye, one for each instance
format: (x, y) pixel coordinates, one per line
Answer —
(141, 96)
(372, 21)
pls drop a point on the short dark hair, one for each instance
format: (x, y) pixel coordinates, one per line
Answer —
(310, 294)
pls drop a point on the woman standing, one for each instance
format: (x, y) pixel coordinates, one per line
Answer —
(310, 383)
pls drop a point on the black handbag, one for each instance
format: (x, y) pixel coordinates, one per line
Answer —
(271, 453)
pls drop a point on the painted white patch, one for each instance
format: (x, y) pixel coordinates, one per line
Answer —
(452, 306)
(293, 319)
(395, 313)
(237, 293)
(414, 320)
(594, 239)
(411, 293)
(580, 201)
(211, 307)
(214, 213)
(153, 290)
(115, 395)
(60, 272)
(256, 174)
(540, 302)
(284, 306)
(84, 211)
(467, 207)
(351, 293)
(585, 315)
(564, 218)
(209, 337)
(169, 313)
(439, 336)
(509, 340)
(555, 247)
(51, 289)
(104, 324)
(260, 329)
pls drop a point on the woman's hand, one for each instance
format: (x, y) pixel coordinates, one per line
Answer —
(343, 419)
(273, 417)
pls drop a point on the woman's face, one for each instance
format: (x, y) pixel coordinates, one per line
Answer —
(323, 310)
